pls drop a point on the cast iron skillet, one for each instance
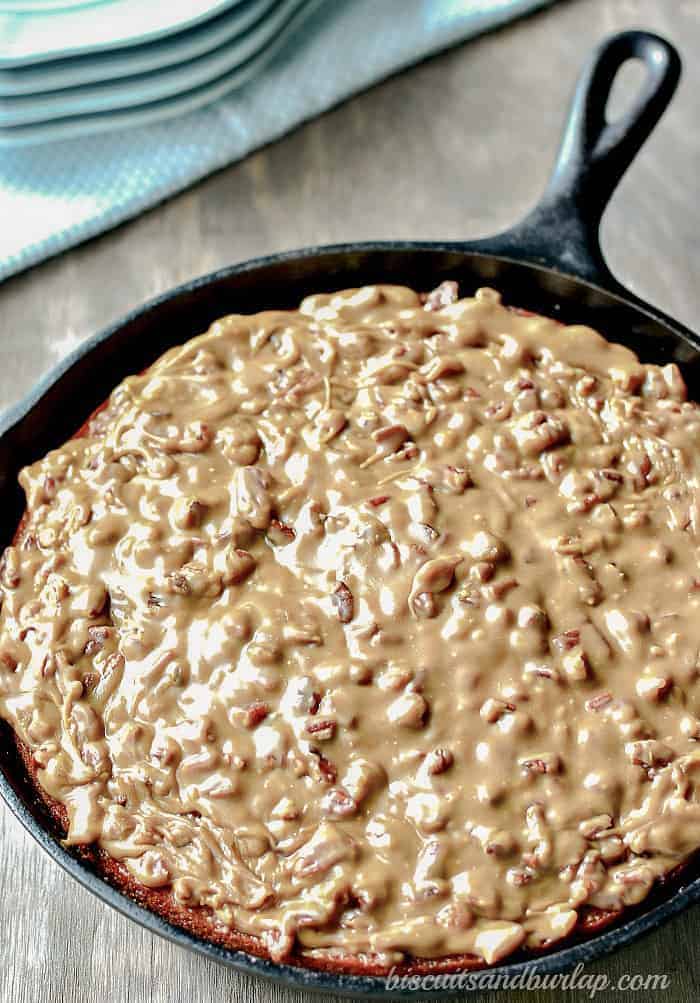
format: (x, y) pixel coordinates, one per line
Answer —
(550, 263)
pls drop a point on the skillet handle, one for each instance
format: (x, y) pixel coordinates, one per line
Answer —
(561, 232)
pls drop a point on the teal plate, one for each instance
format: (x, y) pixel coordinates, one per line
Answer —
(71, 30)
(298, 11)
(78, 71)
(146, 88)
(131, 60)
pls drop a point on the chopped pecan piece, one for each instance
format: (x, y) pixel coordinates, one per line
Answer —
(538, 431)
(327, 847)
(256, 712)
(423, 605)
(327, 769)
(252, 496)
(322, 729)
(438, 761)
(409, 710)
(433, 576)
(547, 763)
(492, 710)
(9, 568)
(195, 580)
(600, 701)
(440, 367)
(8, 661)
(344, 602)
(240, 564)
(178, 584)
(444, 295)
(591, 828)
(187, 513)
(567, 640)
(279, 533)
(649, 752)
(338, 802)
(98, 637)
(653, 688)
(436, 575)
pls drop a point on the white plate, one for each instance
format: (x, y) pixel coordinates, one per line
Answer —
(71, 128)
(104, 24)
(41, 6)
(111, 65)
(147, 88)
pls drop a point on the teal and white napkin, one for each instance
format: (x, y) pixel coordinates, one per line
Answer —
(55, 195)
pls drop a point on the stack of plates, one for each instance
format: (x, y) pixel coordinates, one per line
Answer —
(69, 67)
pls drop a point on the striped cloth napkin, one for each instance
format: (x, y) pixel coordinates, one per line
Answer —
(55, 195)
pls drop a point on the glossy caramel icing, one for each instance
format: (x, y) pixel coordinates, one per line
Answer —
(373, 626)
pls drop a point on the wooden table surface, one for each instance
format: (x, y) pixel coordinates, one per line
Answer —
(457, 147)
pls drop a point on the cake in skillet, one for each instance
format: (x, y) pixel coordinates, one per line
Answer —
(368, 633)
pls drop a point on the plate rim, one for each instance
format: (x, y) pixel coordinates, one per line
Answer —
(101, 123)
(125, 93)
(63, 74)
(208, 10)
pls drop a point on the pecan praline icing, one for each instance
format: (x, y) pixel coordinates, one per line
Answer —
(367, 633)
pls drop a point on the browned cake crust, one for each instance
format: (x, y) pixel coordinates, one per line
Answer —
(201, 922)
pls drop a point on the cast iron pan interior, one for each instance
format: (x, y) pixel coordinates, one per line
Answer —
(550, 263)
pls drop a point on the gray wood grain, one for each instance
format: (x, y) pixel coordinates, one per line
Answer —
(457, 147)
